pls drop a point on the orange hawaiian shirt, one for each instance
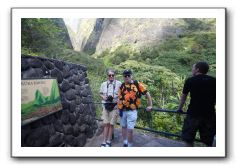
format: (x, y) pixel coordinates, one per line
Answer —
(130, 95)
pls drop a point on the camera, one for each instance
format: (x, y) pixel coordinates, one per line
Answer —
(110, 98)
(109, 105)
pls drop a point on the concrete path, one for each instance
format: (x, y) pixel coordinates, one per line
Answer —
(141, 139)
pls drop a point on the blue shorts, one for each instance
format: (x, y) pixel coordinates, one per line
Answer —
(129, 119)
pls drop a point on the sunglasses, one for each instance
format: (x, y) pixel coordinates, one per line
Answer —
(111, 75)
(127, 76)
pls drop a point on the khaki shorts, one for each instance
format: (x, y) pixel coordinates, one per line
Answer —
(110, 116)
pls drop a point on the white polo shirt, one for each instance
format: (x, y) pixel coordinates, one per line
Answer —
(107, 88)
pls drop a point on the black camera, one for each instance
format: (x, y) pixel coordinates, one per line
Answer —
(110, 98)
(109, 105)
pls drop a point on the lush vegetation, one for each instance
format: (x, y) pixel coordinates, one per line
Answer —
(45, 37)
(162, 67)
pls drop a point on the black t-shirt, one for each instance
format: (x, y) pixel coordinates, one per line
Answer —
(202, 89)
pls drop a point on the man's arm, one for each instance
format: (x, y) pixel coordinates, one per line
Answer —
(149, 101)
(104, 97)
(182, 101)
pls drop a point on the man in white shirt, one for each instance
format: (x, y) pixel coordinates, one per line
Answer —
(109, 94)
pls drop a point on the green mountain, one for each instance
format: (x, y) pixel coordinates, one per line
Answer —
(39, 98)
(54, 94)
(43, 100)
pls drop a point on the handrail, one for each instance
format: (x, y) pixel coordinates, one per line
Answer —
(154, 109)
(169, 111)
(155, 131)
(152, 130)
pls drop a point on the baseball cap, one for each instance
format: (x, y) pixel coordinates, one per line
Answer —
(127, 72)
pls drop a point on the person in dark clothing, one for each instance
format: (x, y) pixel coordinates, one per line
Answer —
(201, 113)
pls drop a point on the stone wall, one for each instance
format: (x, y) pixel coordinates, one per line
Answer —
(76, 121)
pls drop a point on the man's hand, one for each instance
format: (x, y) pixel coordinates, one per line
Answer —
(105, 97)
(148, 108)
(180, 111)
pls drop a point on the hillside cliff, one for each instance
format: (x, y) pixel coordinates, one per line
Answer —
(97, 35)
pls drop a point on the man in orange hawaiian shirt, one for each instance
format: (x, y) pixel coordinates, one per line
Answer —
(129, 96)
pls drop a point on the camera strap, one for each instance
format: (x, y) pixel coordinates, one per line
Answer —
(114, 85)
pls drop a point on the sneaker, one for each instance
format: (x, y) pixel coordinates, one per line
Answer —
(108, 144)
(103, 145)
(125, 145)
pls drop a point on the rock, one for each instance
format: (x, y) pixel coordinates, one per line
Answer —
(90, 132)
(33, 73)
(65, 86)
(48, 119)
(66, 71)
(24, 64)
(73, 86)
(86, 81)
(24, 133)
(57, 74)
(35, 63)
(81, 140)
(38, 137)
(81, 77)
(56, 140)
(84, 93)
(71, 94)
(74, 71)
(88, 119)
(81, 108)
(48, 65)
(72, 106)
(36, 124)
(72, 119)
(65, 116)
(70, 140)
(67, 129)
(78, 100)
(65, 104)
(59, 64)
(58, 115)
(83, 128)
(86, 100)
(78, 90)
(85, 74)
(51, 129)
(83, 68)
(76, 130)
(76, 79)
(80, 119)
(58, 126)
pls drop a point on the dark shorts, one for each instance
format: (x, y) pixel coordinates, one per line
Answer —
(205, 126)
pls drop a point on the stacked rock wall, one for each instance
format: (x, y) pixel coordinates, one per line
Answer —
(76, 122)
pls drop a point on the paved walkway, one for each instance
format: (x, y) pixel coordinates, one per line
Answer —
(141, 139)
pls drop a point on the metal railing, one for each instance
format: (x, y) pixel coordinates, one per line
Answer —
(149, 129)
